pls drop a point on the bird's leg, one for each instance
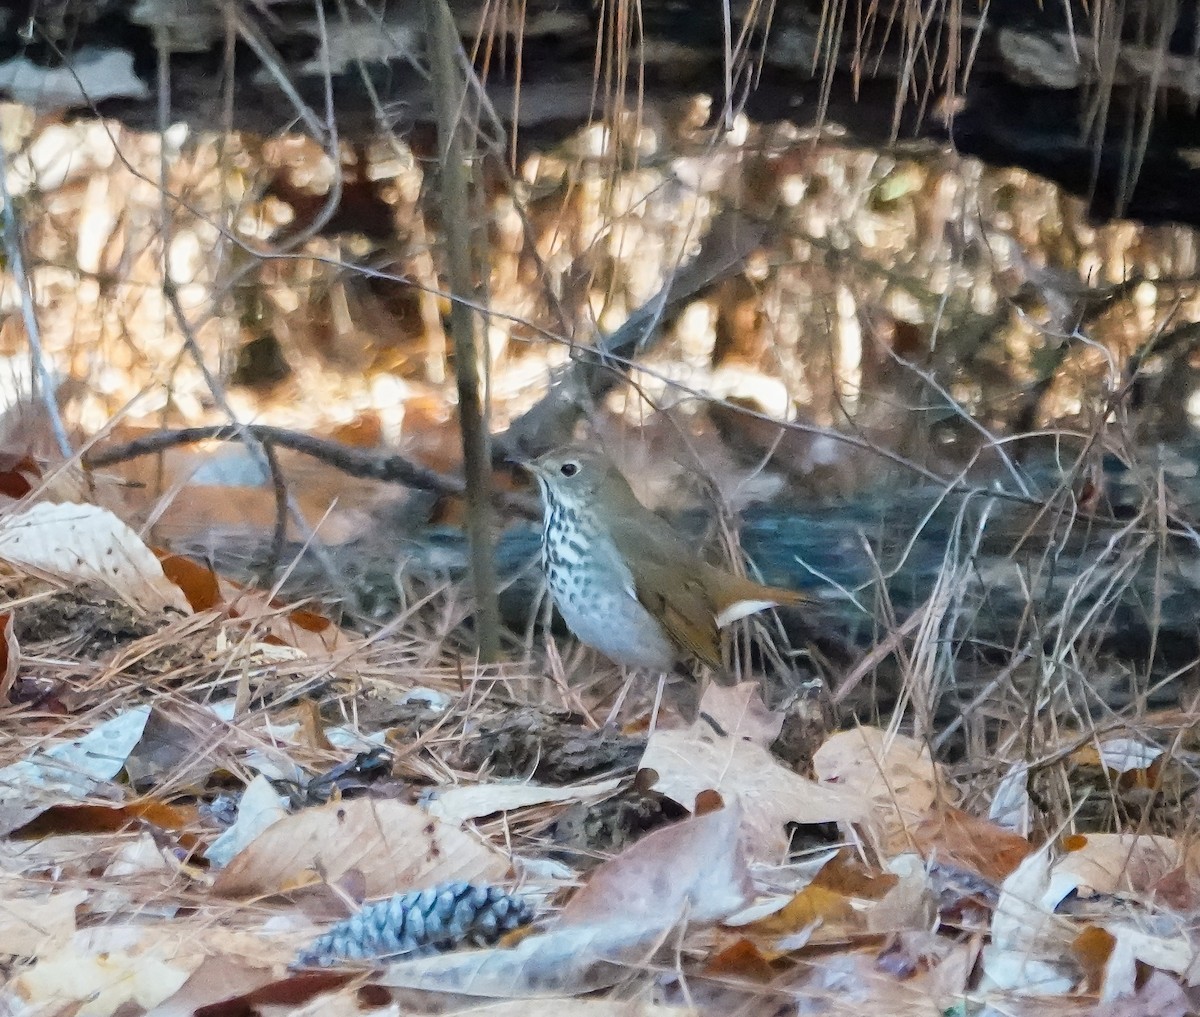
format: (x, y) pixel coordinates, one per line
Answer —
(658, 694)
(626, 685)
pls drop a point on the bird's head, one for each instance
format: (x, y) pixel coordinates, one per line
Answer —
(578, 477)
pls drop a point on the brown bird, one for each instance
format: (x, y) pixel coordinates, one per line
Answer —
(623, 580)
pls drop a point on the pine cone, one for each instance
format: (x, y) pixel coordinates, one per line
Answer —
(420, 922)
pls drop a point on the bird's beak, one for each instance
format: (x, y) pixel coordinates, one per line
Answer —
(528, 465)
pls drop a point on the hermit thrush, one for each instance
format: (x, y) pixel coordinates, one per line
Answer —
(623, 580)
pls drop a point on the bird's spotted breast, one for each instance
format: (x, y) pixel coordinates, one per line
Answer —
(593, 591)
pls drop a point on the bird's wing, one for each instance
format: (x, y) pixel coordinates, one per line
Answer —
(683, 607)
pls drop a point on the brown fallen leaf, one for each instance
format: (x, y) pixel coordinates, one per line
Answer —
(693, 869)
(845, 874)
(812, 905)
(273, 622)
(1092, 949)
(199, 583)
(955, 839)
(290, 992)
(86, 818)
(741, 959)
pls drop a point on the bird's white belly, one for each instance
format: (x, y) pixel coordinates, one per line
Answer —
(616, 624)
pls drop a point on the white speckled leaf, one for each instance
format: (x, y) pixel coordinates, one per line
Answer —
(85, 543)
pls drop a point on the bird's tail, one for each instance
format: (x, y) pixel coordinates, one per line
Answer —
(743, 597)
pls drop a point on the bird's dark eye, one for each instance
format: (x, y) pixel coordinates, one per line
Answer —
(569, 469)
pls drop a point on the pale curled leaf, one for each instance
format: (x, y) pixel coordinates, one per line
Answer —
(1127, 755)
(771, 796)
(115, 969)
(11, 650)
(1012, 806)
(1171, 947)
(890, 773)
(394, 845)
(459, 804)
(1160, 996)
(32, 926)
(556, 963)
(740, 708)
(260, 808)
(1108, 863)
(1030, 947)
(693, 869)
(88, 544)
(1031, 944)
(70, 771)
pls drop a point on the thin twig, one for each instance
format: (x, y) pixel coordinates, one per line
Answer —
(42, 382)
(279, 534)
(389, 468)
